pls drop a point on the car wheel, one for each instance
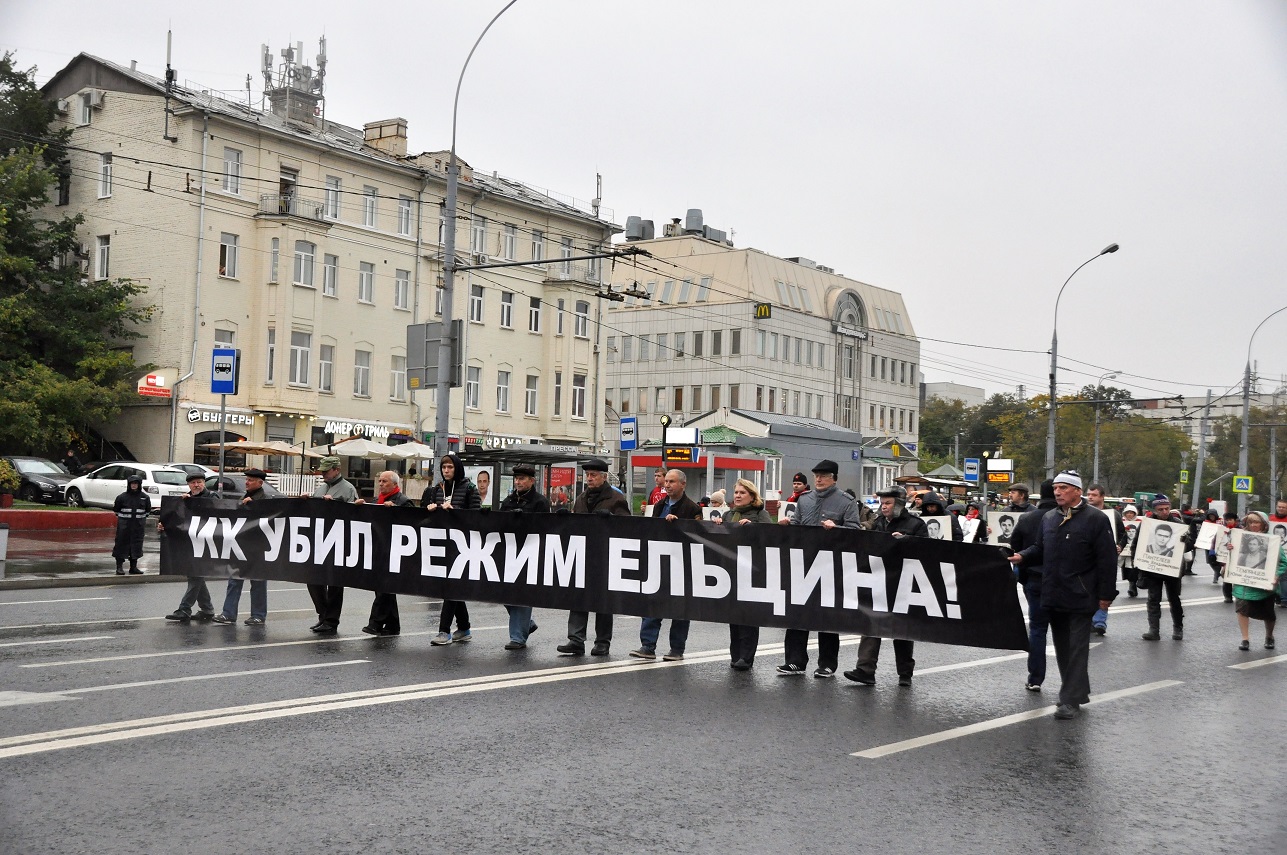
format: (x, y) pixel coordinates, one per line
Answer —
(74, 499)
(30, 493)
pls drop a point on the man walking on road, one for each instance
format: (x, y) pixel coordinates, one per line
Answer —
(329, 599)
(525, 499)
(1027, 531)
(258, 587)
(197, 593)
(674, 505)
(1095, 497)
(1078, 560)
(603, 499)
(1155, 583)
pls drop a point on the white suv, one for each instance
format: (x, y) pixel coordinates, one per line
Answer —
(100, 488)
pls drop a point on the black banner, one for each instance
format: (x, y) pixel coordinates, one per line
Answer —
(839, 580)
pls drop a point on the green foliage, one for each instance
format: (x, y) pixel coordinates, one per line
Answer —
(62, 364)
(1222, 452)
(9, 479)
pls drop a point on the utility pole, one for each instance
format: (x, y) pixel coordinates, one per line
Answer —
(956, 451)
(1202, 451)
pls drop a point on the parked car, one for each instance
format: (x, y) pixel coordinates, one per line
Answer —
(100, 488)
(42, 480)
(193, 468)
(234, 486)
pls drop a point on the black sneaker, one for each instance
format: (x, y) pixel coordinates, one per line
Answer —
(204, 617)
(570, 649)
(741, 665)
(905, 682)
(824, 673)
(644, 653)
(253, 621)
(223, 619)
(179, 615)
(136, 572)
(600, 649)
(791, 670)
(861, 677)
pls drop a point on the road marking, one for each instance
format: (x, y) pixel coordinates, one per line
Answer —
(1003, 721)
(15, 699)
(38, 602)
(1256, 663)
(991, 660)
(328, 639)
(57, 640)
(142, 619)
(197, 677)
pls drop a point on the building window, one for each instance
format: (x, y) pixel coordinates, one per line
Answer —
(663, 349)
(735, 342)
(795, 404)
(565, 252)
(274, 259)
(884, 364)
(558, 319)
(612, 349)
(104, 175)
(304, 254)
(685, 290)
(847, 363)
(362, 373)
(773, 399)
(808, 353)
(232, 171)
(398, 378)
(325, 368)
(558, 394)
(534, 314)
(679, 400)
(873, 366)
(330, 275)
(509, 242)
(667, 291)
(228, 255)
(529, 395)
(270, 376)
(697, 344)
(578, 396)
(404, 215)
(644, 342)
(871, 416)
(478, 236)
(761, 343)
(703, 289)
(476, 304)
(902, 372)
(366, 282)
(538, 245)
(507, 310)
(502, 391)
(225, 338)
(103, 258)
(592, 266)
(642, 396)
(402, 289)
(301, 353)
(370, 198)
(696, 402)
(734, 395)
(627, 348)
(717, 338)
(659, 399)
(473, 383)
(624, 409)
(86, 108)
(64, 183)
(715, 396)
(799, 348)
(681, 340)
(331, 199)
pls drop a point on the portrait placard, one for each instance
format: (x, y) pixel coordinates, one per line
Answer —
(940, 527)
(1206, 535)
(713, 514)
(1160, 549)
(786, 511)
(1254, 562)
(1001, 526)
(970, 528)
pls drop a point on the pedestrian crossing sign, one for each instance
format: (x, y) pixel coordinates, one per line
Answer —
(1242, 483)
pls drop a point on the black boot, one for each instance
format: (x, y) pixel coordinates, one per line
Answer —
(1177, 634)
(1152, 634)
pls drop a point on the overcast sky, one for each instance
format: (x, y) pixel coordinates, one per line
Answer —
(969, 155)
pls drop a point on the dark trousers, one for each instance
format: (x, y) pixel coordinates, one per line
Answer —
(743, 641)
(1071, 634)
(579, 622)
(197, 593)
(453, 609)
(329, 601)
(1038, 623)
(1132, 576)
(869, 655)
(384, 614)
(1154, 584)
(797, 648)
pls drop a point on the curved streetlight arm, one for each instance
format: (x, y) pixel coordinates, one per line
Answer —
(455, 104)
(1112, 247)
(1246, 412)
(1257, 329)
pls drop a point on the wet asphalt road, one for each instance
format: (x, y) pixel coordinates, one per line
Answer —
(125, 733)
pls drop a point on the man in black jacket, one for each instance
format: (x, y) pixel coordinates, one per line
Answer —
(525, 499)
(1027, 531)
(675, 505)
(384, 619)
(1095, 496)
(603, 499)
(1155, 583)
(1078, 560)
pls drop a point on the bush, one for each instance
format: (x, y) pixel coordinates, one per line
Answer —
(9, 479)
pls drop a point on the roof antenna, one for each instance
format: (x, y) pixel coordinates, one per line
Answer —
(169, 84)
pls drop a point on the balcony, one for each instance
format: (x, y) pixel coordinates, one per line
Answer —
(291, 205)
(581, 272)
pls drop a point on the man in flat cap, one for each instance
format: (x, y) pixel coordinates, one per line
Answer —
(603, 499)
(258, 587)
(329, 599)
(525, 499)
(197, 593)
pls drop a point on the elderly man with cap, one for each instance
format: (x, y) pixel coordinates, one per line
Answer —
(825, 506)
(258, 587)
(329, 599)
(525, 499)
(673, 505)
(897, 522)
(1078, 559)
(197, 593)
(1154, 583)
(603, 499)
(384, 619)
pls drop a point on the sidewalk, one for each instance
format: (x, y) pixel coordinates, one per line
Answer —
(69, 558)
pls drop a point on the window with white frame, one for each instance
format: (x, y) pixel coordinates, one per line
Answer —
(103, 257)
(612, 349)
(581, 325)
(565, 252)
(225, 338)
(697, 343)
(681, 341)
(86, 108)
(558, 394)
(558, 319)
(685, 290)
(476, 304)
(231, 170)
(270, 375)
(578, 396)
(538, 245)
(534, 314)
(703, 289)
(274, 259)
(530, 395)
(362, 373)
(330, 275)
(717, 338)
(507, 310)
(509, 242)
(402, 289)
(404, 215)
(592, 267)
(478, 235)
(397, 378)
(228, 255)
(473, 382)
(326, 368)
(663, 346)
(734, 395)
(761, 342)
(659, 399)
(627, 348)
(370, 201)
(366, 282)
(331, 201)
(735, 344)
(502, 391)
(305, 252)
(301, 355)
(667, 291)
(645, 351)
(696, 396)
(105, 175)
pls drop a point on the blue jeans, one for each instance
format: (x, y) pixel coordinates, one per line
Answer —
(1100, 618)
(258, 598)
(520, 623)
(650, 630)
(1038, 623)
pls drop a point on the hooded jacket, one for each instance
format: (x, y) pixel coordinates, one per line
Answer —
(462, 492)
(902, 523)
(934, 500)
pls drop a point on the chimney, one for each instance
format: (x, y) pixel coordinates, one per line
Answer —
(389, 136)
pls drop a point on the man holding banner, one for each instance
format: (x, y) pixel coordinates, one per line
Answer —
(603, 499)
(329, 599)
(1078, 559)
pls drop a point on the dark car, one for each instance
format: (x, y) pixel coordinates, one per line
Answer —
(42, 480)
(234, 486)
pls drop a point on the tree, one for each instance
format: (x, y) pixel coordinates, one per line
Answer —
(62, 363)
(1222, 452)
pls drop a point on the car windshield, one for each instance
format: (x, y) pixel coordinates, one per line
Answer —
(170, 476)
(38, 467)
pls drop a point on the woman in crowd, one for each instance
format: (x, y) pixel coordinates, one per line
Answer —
(1126, 560)
(748, 508)
(1256, 603)
(453, 492)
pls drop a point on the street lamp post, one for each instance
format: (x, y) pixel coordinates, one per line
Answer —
(1098, 385)
(1054, 358)
(1246, 412)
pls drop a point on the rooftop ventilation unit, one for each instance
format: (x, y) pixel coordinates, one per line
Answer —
(693, 222)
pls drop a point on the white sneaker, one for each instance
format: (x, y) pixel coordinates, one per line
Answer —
(441, 639)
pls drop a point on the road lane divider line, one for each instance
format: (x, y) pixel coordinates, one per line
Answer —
(56, 640)
(1003, 721)
(198, 677)
(1257, 663)
(41, 602)
(151, 618)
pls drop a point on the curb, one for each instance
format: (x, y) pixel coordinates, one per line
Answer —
(83, 581)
